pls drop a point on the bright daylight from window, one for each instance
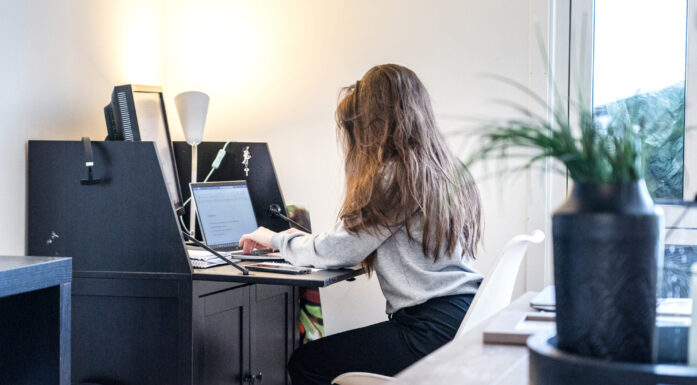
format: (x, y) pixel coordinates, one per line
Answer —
(639, 68)
(639, 65)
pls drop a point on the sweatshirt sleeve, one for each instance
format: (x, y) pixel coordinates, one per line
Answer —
(333, 249)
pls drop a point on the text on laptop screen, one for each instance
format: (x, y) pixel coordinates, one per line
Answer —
(225, 213)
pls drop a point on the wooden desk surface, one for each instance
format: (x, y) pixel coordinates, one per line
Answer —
(320, 278)
(467, 360)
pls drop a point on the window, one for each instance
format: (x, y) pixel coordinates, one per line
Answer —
(637, 55)
(639, 67)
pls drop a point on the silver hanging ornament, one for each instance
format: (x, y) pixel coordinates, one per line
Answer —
(246, 156)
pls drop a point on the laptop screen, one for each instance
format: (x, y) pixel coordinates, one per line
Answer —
(224, 211)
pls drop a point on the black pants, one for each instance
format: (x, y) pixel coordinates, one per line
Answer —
(384, 348)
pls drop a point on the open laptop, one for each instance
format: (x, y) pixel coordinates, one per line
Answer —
(225, 213)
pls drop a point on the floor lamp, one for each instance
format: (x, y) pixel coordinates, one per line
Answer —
(192, 108)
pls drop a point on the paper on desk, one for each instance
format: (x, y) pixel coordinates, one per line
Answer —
(203, 255)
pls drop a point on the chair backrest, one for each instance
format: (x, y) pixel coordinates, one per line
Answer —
(496, 290)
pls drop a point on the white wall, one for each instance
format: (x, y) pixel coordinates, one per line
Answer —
(273, 70)
(60, 61)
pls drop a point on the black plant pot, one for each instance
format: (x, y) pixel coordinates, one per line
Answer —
(606, 249)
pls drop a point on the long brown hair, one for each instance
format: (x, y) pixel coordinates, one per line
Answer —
(398, 167)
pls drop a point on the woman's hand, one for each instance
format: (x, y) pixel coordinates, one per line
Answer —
(259, 239)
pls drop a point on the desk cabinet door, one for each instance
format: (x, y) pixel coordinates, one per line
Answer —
(271, 332)
(221, 337)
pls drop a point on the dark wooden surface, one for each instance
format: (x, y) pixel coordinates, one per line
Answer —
(125, 223)
(221, 333)
(131, 331)
(271, 332)
(261, 181)
(139, 313)
(35, 320)
(242, 331)
(320, 278)
(23, 274)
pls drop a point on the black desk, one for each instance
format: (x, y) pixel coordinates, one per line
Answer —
(213, 326)
(253, 317)
(321, 278)
(140, 313)
(35, 320)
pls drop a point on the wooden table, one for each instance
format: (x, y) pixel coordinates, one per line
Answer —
(467, 360)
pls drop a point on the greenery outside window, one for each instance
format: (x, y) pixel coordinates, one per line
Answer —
(635, 56)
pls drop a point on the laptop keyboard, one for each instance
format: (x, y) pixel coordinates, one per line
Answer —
(234, 249)
(253, 252)
(227, 247)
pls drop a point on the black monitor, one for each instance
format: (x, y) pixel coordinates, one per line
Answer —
(136, 113)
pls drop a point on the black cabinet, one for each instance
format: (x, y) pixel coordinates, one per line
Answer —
(272, 332)
(131, 329)
(163, 331)
(243, 334)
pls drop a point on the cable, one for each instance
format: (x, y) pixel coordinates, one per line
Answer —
(203, 245)
(214, 166)
(275, 210)
(183, 225)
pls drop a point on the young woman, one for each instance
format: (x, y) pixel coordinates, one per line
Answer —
(411, 214)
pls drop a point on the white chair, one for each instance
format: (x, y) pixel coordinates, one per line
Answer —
(493, 295)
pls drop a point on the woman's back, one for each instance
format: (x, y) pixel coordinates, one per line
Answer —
(407, 278)
(411, 214)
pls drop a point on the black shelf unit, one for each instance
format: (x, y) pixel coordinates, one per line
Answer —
(35, 319)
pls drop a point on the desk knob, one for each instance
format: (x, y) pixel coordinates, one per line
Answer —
(253, 379)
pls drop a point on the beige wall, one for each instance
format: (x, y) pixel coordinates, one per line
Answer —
(59, 62)
(273, 70)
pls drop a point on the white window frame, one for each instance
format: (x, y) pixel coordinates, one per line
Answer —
(567, 29)
(690, 149)
(549, 73)
(580, 79)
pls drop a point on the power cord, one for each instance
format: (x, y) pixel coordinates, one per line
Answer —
(214, 166)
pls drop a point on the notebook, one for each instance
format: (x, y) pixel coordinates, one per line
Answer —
(514, 327)
(669, 307)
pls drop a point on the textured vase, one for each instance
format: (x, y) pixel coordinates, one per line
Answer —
(607, 243)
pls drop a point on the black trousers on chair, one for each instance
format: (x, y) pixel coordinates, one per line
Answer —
(384, 348)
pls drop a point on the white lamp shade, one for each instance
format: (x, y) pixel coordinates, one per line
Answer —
(192, 107)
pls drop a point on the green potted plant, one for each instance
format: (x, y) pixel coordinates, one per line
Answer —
(606, 236)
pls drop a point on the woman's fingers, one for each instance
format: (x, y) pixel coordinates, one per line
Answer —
(259, 239)
(247, 244)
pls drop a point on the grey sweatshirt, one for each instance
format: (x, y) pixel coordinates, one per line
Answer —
(406, 276)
